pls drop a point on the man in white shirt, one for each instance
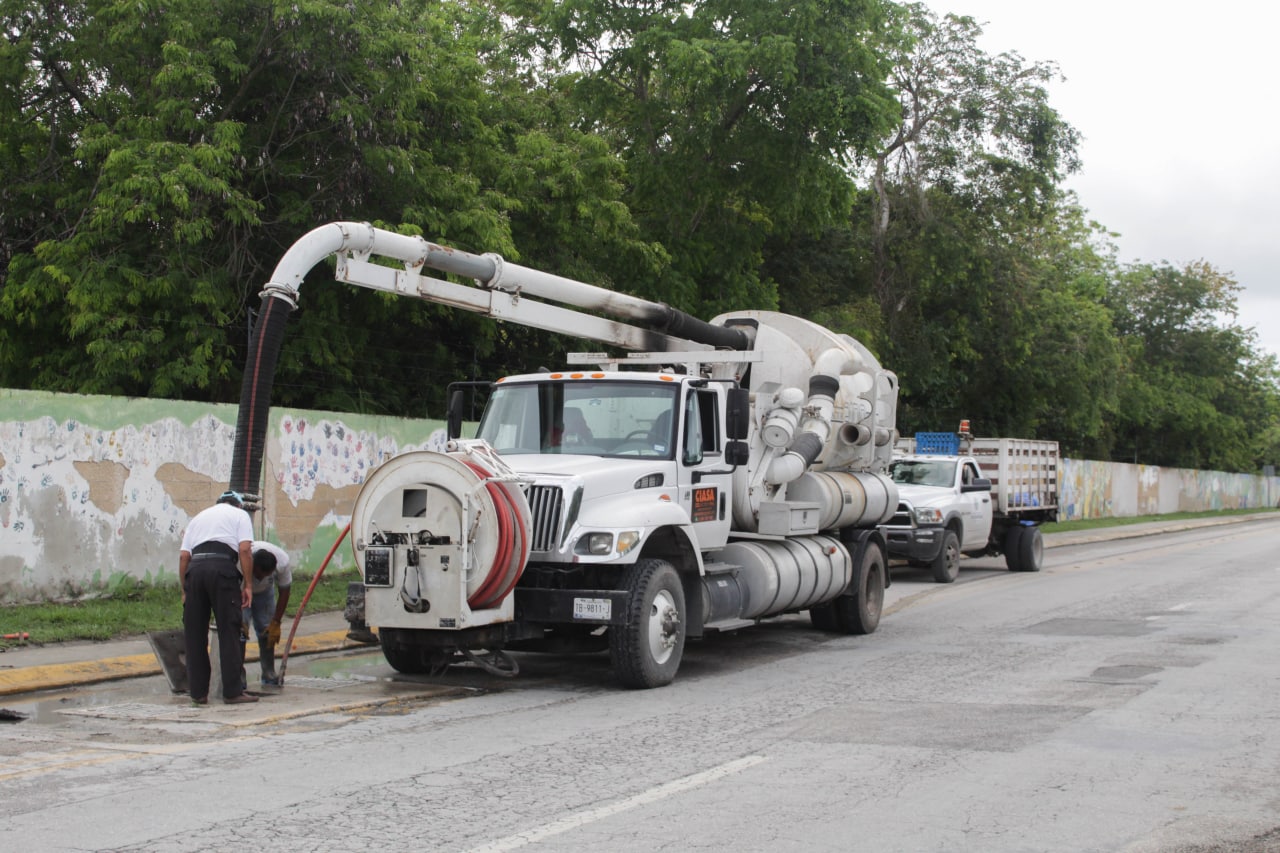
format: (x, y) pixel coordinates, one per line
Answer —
(215, 570)
(271, 573)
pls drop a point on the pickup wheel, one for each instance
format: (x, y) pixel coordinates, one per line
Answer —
(646, 651)
(858, 610)
(1030, 550)
(1013, 548)
(946, 566)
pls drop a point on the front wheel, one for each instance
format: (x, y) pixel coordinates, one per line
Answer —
(407, 654)
(946, 566)
(646, 651)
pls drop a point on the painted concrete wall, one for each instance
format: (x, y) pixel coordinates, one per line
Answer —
(96, 491)
(1091, 489)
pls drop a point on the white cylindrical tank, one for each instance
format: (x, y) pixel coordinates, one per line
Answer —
(847, 498)
(791, 574)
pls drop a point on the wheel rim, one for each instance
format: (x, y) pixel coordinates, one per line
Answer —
(953, 560)
(664, 627)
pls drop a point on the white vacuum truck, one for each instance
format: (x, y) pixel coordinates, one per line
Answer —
(713, 475)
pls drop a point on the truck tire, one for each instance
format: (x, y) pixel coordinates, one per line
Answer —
(946, 566)
(646, 651)
(1030, 550)
(410, 657)
(1013, 548)
(858, 611)
(823, 617)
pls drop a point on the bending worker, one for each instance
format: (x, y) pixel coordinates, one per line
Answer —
(215, 570)
(271, 574)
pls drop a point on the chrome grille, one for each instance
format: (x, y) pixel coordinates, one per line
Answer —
(901, 518)
(547, 503)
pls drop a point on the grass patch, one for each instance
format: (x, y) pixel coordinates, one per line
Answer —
(125, 613)
(1098, 523)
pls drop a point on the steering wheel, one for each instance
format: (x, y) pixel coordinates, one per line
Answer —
(638, 434)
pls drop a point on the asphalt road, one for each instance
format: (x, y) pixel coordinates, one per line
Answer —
(1124, 699)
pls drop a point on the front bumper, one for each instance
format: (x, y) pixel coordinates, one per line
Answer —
(920, 544)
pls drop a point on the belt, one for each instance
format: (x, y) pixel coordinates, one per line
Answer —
(212, 548)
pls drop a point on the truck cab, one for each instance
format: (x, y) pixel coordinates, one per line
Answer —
(627, 452)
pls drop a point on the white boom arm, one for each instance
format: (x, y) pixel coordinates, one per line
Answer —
(498, 291)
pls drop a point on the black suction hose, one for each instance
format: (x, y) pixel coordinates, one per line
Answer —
(255, 396)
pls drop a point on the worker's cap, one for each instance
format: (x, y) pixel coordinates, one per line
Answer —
(231, 497)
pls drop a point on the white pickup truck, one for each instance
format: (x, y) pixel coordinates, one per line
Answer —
(976, 496)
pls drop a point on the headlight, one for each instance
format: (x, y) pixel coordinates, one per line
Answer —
(601, 543)
(596, 544)
(928, 515)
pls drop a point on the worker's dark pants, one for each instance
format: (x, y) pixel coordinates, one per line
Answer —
(213, 584)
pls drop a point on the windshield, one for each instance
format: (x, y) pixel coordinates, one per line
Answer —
(915, 472)
(582, 417)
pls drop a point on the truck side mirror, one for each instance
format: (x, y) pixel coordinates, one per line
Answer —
(738, 413)
(981, 484)
(737, 452)
(454, 422)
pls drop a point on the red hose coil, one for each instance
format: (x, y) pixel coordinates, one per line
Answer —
(504, 573)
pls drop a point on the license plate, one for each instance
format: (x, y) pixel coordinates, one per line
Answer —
(592, 608)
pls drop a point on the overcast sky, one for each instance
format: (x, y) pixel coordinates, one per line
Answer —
(1177, 104)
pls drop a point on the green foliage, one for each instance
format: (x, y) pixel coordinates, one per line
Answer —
(733, 121)
(858, 162)
(1198, 395)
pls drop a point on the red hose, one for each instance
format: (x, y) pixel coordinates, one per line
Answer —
(504, 512)
(284, 659)
(524, 546)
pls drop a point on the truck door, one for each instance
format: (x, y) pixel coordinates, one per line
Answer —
(977, 525)
(705, 478)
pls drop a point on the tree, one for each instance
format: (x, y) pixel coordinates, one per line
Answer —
(974, 126)
(734, 121)
(1199, 394)
(176, 151)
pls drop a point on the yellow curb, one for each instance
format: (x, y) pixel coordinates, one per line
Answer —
(29, 679)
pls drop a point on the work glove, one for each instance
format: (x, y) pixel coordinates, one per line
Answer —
(273, 632)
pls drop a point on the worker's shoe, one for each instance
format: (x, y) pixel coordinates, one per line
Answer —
(202, 701)
(271, 680)
(240, 700)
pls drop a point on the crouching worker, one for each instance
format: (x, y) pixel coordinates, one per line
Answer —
(271, 575)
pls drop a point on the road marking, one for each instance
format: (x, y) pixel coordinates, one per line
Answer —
(573, 821)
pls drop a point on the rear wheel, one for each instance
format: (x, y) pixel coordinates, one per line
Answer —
(858, 611)
(1031, 550)
(946, 566)
(823, 617)
(1013, 548)
(646, 651)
